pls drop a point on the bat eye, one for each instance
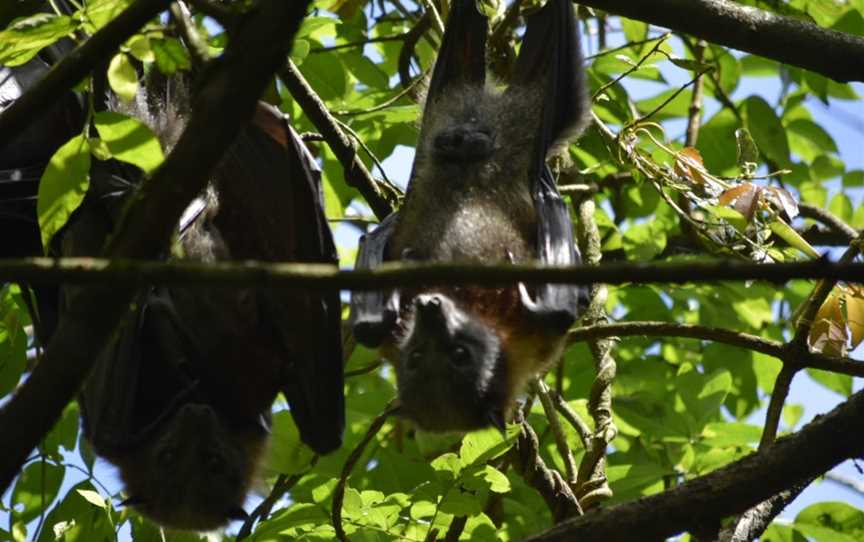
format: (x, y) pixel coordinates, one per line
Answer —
(460, 357)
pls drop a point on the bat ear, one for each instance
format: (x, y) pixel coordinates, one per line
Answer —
(462, 57)
(551, 59)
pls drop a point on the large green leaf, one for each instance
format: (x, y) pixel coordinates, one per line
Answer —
(24, 38)
(129, 140)
(63, 186)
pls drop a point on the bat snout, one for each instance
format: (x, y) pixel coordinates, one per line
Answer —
(464, 143)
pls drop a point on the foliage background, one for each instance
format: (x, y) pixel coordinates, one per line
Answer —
(682, 407)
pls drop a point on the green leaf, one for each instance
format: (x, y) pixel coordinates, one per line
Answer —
(447, 464)
(832, 519)
(788, 234)
(170, 55)
(98, 13)
(853, 178)
(481, 446)
(366, 71)
(767, 131)
(129, 140)
(63, 186)
(24, 38)
(731, 434)
(841, 206)
(139, 47)
(792, 414)
(498, 481)
(13, 342)
(122, 77)
(702, 394)
(93, 498)
(64, 433)
(287, 454)
(826, 167)
(839, 383)
(644, 241)
(35, 489)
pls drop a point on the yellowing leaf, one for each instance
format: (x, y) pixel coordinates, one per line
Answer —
(855, 315)
(92, 497)
(122, 77)
(788, 234)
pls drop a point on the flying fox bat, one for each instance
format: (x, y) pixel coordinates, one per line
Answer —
(180, 399)
(480, 191)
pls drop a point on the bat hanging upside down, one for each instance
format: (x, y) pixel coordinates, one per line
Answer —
(480, 191)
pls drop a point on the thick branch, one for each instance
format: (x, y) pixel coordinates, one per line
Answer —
(799, 357)
(76, 66)
(834, 54)
(225, 103)
(389, 275)
(733, 489)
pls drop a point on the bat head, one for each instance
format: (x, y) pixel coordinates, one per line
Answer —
(450, 371)
(196, 473)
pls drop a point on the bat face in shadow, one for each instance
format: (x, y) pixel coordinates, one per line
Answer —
(217, 463)
(450, 360)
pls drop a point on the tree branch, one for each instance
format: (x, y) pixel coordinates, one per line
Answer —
(834, 54)
(392, 274)
(801, 358)
(75, 67)
(353, 458)
(356, 174)
(792, 460)
(224, 104)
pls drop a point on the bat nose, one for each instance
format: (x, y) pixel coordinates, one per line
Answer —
(464, 143)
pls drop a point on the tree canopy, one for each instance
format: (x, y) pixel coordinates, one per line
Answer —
(652, 423)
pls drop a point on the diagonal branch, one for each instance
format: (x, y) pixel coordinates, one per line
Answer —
(790, 461)
(791, 41)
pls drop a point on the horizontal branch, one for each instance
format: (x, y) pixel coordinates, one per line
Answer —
(76, 66)
(800, 358)
(791, 41)
(389, 275)
(815, 449)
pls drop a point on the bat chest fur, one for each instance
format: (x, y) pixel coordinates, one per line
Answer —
(487, 228)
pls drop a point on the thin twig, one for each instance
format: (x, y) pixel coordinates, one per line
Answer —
(283, 485)
(356, 454)
(543, 394)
